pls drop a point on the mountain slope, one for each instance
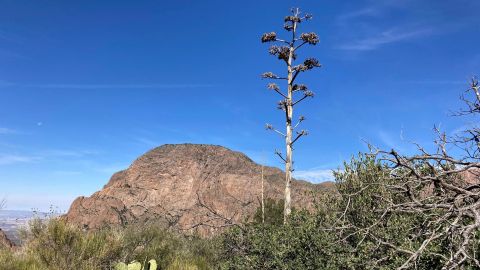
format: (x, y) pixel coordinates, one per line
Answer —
(187, 187)
(4, 241)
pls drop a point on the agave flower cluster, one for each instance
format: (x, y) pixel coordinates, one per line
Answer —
(273, 86)
(308, 64)
(282, 52)
(269, 75)
(282, 104)
(267, 37)
(292, 19)
(310, 38)
(299, 87)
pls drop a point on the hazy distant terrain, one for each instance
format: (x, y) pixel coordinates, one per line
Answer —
(12, 220)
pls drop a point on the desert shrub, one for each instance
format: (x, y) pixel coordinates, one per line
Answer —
(332, 237)
(11, 260)
(54, 244)
(195, 263)
(273, 212)
(348, 230)
(58, 245)
(170, 249)
(297, 245)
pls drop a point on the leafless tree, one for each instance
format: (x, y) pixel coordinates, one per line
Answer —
(443, 187)
(295, 93)
(214, 218)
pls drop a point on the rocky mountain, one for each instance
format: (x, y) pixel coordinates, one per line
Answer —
(188, 187)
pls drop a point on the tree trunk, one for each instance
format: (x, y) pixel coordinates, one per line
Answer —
(288, 138)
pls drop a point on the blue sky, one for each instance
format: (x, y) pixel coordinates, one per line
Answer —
(88, 86)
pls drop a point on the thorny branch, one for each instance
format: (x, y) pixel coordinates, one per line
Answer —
(442, 188)
(215, 219)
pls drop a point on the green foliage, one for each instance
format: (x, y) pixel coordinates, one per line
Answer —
(362, 185)
(55, 245)
(298, 245)
(10, 260)
(341, 234)
(166, 247)
(273, 212)
(366, 188)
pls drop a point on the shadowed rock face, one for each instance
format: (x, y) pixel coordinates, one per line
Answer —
(187, 187)
(4, 241)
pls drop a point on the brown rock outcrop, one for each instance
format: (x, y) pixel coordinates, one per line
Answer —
(188, 187)
(4, 241)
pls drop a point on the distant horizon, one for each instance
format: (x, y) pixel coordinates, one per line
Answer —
(87, 87)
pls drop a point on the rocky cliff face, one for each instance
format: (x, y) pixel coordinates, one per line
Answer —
(187, 187)
(4, 241)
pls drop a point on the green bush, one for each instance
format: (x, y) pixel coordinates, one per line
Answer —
(166, 247)
(55, 245)
(10, 260)
(273, 212)
(342, 233)
(298, 245)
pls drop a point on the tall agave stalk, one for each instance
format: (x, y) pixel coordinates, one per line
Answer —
(295, 93)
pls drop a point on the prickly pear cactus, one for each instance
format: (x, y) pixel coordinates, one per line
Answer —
(134, 266)
(152, 265)
(121, 266)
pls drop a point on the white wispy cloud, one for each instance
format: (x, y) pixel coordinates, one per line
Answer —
(369, 27)
(400, 141)
(45, 155)
(68, 153)
(112, 168)
(4, 130)
(10, 54)
(440, 81)
(462, 130)
(43, 202)
(392, 35)
(107, 86)
(118, 86)
(66, 173)
(148, 142)
(375, 9)
(4, 83)
(355, 14)
(8, 159)
(388, 140)
(315, 175)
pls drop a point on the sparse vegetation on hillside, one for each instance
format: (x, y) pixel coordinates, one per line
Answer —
(56, 245)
